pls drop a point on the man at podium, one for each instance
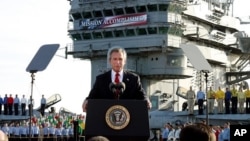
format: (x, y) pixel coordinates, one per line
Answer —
(117, 94)
(117, 83)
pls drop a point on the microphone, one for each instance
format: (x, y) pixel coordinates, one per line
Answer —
(117, 89)
(121, 87)
(112, 87)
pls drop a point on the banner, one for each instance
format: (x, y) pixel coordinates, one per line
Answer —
(114, 21)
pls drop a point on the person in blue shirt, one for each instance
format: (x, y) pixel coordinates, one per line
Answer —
(43, 103)
(200, 97)
(5, 104)
(227, 99)
(23, 131)
(6, 129)
(16, 104)
(71, 132)
(1, 103)
(45, 132)
(165, 132)
(226, 132)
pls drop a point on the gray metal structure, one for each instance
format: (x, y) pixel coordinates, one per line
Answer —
(152, 32)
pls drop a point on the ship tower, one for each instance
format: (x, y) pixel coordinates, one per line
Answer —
(152, 32)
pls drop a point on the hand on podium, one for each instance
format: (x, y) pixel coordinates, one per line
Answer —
(149, 105)
(84, 105)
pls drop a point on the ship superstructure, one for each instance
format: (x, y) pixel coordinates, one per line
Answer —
(152, 32)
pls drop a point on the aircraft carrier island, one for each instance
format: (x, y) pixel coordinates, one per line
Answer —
(155, 34)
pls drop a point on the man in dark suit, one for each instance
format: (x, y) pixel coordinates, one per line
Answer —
(101, 89)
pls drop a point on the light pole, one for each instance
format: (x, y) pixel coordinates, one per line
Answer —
(207, 103)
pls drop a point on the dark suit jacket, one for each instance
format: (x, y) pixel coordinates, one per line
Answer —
(132, 82)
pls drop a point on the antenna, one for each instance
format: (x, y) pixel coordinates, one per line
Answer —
(39, 62)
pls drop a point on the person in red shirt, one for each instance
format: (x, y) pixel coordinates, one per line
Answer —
(10, 102)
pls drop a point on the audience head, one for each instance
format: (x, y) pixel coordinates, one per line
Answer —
(98, 138)
(3, 136)
(196, 132)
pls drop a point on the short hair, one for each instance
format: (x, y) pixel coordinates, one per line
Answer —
(117, 49)
(195, 132)
(98, 138)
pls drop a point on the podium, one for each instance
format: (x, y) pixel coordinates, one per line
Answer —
(117, 120)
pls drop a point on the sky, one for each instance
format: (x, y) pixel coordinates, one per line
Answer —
(27, 25)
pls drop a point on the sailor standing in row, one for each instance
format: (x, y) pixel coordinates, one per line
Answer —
(228, 95)
(31, 104)
(5, 104)
(23, 131)
(45, 132)
(241, 100)
(220, 95)
(36, 131)
(234, 100)
(16, 104)
(211, 98)
(23, 105)
(247, 94)
(1, 103)
(16, 132)
(43, 103)
(10, 102)
(191, 100)
(5, 129)
(200, 98)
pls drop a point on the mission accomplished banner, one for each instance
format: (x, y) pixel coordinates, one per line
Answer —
(114, 21)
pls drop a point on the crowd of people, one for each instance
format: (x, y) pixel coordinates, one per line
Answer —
(45, 128)
(230, 101)
(195, 132)
(12, 105)
(59, 127)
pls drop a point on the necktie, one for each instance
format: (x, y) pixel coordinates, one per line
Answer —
(117, 81)
(117, 78)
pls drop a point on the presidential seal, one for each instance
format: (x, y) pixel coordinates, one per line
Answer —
(117, 117)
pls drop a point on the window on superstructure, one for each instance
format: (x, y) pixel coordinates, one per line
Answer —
(118, 33)
(108, 34)
(141, 8)
(76, 16)
(152, 30)
(86, 15)
(108, 12)
(163, 30)
(141, 31)
(97, 13)
(152, 7)
(175, 61)
(129, 10)
(163, 7)
(130, 32)
(118, 11)
(97, 35)
(76, 37)
(175, 30)
(86, 36)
